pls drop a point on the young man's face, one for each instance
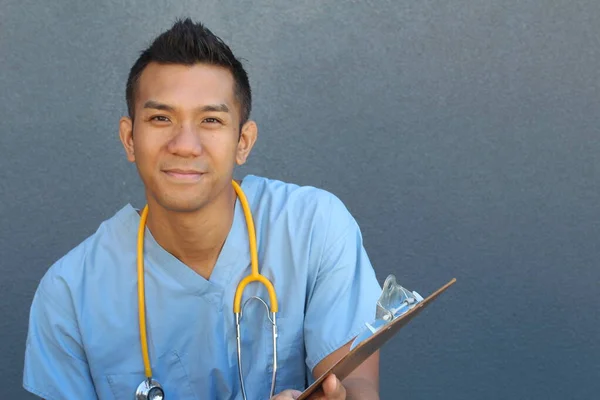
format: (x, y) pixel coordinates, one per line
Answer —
(185, 138)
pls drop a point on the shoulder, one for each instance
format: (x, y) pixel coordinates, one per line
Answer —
(301, 217)
(277, 197)
(66, 276)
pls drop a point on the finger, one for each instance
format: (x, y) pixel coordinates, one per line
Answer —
(287, 395)
(333, 388)
(324, 392)
(329, 384)
(318, 395)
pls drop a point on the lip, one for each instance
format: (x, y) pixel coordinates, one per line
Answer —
(183, 174)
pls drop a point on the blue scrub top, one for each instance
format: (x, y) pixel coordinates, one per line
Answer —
(84, 342)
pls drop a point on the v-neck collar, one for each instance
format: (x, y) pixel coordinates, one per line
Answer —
(234, 255)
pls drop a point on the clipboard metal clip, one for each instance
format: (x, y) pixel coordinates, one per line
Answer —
(394, 302)
(396, 307)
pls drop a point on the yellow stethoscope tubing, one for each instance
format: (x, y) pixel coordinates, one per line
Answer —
(141, 292)
(254, 276)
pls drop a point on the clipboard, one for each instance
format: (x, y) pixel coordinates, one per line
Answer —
(360, 353)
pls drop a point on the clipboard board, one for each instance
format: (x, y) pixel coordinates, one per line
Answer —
(360, 353)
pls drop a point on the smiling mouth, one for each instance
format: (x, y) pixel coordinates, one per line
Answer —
(183, 175)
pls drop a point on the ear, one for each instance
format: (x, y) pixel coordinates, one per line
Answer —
(248, 137)
(126, 135)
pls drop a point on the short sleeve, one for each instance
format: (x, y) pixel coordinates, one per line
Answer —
(345, 289)
(55, 365)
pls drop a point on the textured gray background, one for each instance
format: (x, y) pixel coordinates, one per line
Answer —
(462, 135)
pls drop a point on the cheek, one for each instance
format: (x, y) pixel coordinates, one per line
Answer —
(146, 151)
(220, 147)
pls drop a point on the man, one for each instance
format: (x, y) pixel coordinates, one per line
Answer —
(189, 103)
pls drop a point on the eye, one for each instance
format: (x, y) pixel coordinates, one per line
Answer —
(159, 118)
(212, 120)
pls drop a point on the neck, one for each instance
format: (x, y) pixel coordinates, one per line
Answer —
(195, 238)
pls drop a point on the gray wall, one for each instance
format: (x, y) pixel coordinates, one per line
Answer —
(462, 135)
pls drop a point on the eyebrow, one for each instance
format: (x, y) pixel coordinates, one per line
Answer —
(165, 107)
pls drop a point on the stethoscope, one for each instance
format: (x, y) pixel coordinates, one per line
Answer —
(151, 389)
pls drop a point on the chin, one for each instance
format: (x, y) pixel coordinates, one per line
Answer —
(184, 199)
(182, 205)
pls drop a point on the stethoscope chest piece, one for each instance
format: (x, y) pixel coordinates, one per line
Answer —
(149, 389)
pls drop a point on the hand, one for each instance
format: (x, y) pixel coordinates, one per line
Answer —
(331, 389)
(287, 395)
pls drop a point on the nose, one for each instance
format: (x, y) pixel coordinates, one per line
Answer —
(186, 141)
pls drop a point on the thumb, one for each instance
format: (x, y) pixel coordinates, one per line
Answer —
(288, 395)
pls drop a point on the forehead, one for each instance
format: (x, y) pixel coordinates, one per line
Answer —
(186, 85)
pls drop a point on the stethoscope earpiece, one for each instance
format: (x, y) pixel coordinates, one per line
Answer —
(149, 389)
